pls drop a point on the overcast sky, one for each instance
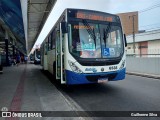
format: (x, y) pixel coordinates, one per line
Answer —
(148, 19)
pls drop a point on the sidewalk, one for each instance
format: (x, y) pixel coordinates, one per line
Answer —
(143, 74)
(25, 88)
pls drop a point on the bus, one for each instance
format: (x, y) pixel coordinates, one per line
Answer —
(85, 46)
(36, 56)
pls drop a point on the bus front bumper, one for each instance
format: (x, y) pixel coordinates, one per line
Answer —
(75, 78)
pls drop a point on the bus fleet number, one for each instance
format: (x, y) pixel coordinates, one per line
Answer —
(113, 68)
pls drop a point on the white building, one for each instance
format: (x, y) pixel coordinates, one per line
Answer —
(145, 43)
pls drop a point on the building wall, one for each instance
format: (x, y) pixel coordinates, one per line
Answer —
(143, 47)
(154, 47)
(127, 22)
(130, 48)
(143, 65)
(146, 36)
(147, 43)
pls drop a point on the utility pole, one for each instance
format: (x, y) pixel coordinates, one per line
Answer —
(133, 32)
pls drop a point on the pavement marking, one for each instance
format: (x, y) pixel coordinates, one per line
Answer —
(17, 98)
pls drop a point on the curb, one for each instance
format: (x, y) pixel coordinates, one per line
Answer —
(143, 75)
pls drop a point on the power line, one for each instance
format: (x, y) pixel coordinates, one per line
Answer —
(149, 8)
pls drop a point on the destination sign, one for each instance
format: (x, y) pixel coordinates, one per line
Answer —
(93, 17)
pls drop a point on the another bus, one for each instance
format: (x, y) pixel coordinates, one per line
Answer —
(85, 46)
(37, 56)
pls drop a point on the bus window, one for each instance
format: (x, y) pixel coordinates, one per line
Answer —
(111, 41)
(95, 40)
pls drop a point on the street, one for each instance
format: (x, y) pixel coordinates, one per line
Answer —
(135, 93)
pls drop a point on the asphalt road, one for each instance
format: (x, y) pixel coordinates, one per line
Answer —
(135, 93)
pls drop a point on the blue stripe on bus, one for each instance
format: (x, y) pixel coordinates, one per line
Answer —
(75, 78)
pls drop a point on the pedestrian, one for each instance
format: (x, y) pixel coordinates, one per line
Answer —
(25, 59)
(18, 58)
(22, 59)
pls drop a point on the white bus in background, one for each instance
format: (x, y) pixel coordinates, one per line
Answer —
(85, 46)
(37, 56)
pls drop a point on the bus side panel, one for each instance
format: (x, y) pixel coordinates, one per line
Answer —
(45, 64)
(50, 59)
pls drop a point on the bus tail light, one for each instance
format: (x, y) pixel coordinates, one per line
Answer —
(74, 67)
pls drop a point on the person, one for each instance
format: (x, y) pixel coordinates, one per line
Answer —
(22, 59)
(25, 59)
(14, 61)
(9, 60)
(18, 59)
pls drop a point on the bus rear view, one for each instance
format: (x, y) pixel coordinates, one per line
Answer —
(90, 48)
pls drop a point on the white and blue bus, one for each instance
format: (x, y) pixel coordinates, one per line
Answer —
(85, 46)
(37, 56)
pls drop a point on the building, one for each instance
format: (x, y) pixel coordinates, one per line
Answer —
(145, 43)
(128, 20)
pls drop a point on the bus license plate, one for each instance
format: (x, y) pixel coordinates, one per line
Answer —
(101, 80)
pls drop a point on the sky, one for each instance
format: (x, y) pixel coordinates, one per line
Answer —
(148, 18)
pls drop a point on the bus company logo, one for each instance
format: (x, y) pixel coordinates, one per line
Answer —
(91, 69)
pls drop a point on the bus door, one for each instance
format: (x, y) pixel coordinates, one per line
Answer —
(60, 58)
(58, 55)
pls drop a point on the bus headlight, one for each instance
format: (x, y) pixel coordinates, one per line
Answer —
(74, 67)
(122, 65)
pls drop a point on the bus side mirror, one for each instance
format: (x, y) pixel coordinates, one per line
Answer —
(125, 40)
(64, 27)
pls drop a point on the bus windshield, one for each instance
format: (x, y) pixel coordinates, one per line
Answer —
(92, 40)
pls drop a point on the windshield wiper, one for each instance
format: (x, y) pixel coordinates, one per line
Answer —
(106, 33)
(90, 31)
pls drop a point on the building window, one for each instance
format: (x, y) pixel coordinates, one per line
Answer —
(129, 48)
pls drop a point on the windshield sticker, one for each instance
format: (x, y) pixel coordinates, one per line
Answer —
(83, 27)
(78, 47)
(108, 52)
(89, 47)
(112, 51)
